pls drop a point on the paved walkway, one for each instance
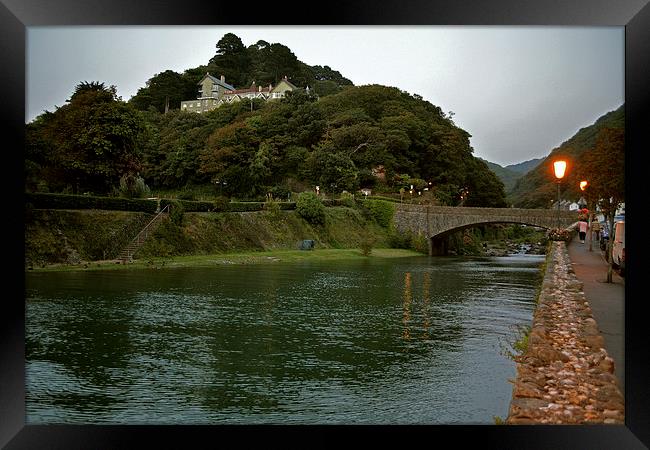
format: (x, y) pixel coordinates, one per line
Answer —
(606, 300)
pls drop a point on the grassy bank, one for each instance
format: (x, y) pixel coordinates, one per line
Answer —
(89, 238)
(262, 257)
(81, 238)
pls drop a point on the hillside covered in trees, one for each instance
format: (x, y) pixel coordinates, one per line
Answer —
(595, 152)
(335, 135)
(262, 63)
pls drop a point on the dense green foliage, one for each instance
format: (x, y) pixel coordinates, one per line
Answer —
(336, 142)
(262, 63)
(381, 211)
(604, 167)
(339, 141)
(310, 208)
(86, 145)
(166, 90)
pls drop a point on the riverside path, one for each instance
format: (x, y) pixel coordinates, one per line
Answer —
(606, 300)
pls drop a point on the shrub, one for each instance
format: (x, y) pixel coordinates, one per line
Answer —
(419, 243)
(186, 194)
(347, 199)
(310, 208)
(272, 207)
(220, 204)
(133, 186)
(367, 242)
(176, 211)
(381, 211)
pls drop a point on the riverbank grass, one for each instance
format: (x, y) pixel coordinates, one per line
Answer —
(261, 257)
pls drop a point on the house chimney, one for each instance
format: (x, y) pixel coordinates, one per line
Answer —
(259, 89)
(223, 79)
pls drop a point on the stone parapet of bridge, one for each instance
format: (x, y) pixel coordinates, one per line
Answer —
(436, 221)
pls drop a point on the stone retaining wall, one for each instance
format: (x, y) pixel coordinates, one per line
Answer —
(565, 376)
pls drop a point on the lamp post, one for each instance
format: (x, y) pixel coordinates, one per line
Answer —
(559, 167)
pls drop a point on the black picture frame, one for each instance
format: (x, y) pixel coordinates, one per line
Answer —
(17, 15)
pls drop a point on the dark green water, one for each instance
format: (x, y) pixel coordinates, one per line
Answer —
(407, 340)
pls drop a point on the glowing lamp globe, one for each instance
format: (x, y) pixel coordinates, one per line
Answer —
(559, 167)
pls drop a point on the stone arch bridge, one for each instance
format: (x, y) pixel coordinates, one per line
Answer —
(438, 222)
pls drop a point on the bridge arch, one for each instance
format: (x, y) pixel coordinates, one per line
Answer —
(438, 222)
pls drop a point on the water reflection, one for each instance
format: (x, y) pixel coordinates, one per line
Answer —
(406, 334)
(408, 341)
(426, 298)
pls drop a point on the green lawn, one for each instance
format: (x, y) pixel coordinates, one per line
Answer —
(263, 257)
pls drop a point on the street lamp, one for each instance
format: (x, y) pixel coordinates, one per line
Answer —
(559, 168)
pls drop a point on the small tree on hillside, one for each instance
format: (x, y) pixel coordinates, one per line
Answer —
(604, 168)
(310, 208)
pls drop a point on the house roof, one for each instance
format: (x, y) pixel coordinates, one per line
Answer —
(216, 81)
(289, 83)
(253, 89)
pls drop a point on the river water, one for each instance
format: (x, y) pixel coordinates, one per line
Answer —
(398, 341)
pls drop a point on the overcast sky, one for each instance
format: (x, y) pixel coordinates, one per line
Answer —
(519, 91)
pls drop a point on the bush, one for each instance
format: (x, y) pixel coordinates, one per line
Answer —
(310, 208)
(272, 207)
(367, 242)
(176, 211)
(220, 204)
(347, 199)
(381, 211)
(133, 186)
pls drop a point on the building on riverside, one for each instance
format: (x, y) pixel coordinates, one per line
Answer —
(214, 92)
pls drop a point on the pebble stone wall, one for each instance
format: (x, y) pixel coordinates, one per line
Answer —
(565, 376)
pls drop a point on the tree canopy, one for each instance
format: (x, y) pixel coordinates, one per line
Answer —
(87, 144)
(338, 141)
(263, 62)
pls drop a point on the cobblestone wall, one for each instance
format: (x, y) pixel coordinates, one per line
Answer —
(565, 376)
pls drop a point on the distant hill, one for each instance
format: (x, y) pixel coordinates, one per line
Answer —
(507, 176)
(526, 166)
(537, 188)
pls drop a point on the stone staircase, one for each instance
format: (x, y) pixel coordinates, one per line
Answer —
(126, 255)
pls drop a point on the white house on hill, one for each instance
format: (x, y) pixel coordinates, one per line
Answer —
(214, 92)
